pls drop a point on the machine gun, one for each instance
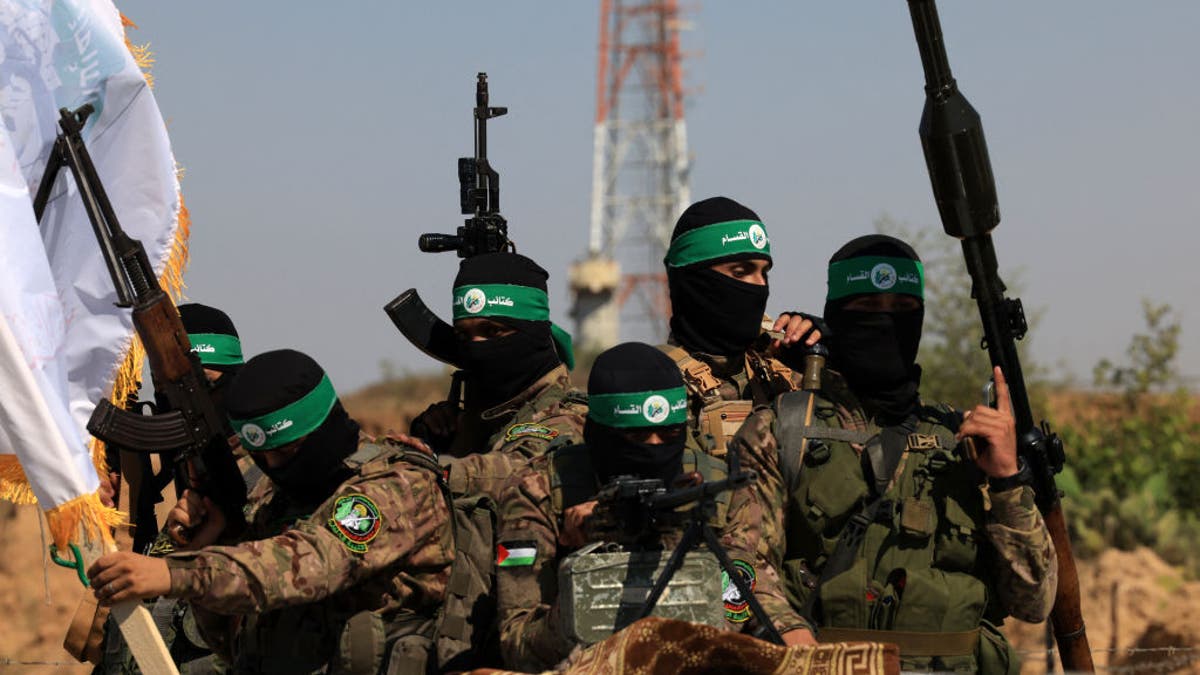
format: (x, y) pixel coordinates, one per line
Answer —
(485, 231)
(965, 191)
(639, 510)
(193, 429)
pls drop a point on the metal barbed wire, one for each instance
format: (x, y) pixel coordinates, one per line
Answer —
(1174, 658)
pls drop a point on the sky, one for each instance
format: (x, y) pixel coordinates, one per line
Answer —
(318, 140)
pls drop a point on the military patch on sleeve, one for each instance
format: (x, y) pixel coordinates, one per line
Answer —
(516, 553)
(737, 608)
(355, 521)
(529, 430)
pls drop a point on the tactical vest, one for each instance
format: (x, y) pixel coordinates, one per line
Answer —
(600, 589)
(912, 561)
(764, 378)
(363, 643)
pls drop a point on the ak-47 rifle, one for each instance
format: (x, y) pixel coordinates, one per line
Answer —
(485, 231)
(634, 511)
(965, 191)
(193, 428)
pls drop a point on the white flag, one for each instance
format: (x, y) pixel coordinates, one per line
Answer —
(56, 295)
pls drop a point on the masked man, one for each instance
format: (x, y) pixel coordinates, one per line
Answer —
(636, 427)
(344, 561)
(903, 521)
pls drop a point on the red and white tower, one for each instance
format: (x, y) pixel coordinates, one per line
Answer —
(639, 174)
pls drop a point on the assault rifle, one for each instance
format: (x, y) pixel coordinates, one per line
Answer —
(193, 429)
(485, 231)
(635, 511)
(965, 191)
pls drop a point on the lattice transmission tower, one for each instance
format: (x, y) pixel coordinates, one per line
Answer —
(639, 175)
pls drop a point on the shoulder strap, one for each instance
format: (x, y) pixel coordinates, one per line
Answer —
(792, 434)
(697, 375)
(364, 454)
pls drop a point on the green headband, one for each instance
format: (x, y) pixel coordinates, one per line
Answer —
(655, 408)
(876, 274)
(718, 240)
(510, 300)
(217, 349)
(292, 421)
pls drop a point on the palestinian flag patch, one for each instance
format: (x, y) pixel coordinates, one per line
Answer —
(737, 608)
(529, 430)
(516, 553)
(355, 521)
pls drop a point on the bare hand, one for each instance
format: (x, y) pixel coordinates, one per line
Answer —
(117, 577)
(439, 421)
(994, 431)
(412, 442)
(574, 532)
(799, 637)
(195, 521)
(794, 327)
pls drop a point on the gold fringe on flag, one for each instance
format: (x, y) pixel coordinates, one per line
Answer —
(87, 511)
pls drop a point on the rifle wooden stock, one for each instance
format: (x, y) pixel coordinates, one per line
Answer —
(1067, 616)
(157, 323)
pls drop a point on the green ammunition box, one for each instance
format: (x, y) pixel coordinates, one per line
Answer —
(598, 586)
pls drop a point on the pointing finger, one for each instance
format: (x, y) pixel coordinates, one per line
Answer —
(1003, 402)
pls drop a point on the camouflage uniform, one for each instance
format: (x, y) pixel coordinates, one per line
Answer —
(939, 555)
(531, 511)
(520, 429)
(377, 554)
(526, 423)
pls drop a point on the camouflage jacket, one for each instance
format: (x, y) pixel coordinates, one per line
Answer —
(526, 423)
(551, 411)
(381, 543)
(531, 636)
(935, 518)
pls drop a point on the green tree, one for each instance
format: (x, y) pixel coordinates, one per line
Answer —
(1133, 467)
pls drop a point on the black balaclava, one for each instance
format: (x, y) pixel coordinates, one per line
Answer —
(282, 396)
(634, 386)
(876, 351)
(500, 368)
(215, 341)
(711, 312)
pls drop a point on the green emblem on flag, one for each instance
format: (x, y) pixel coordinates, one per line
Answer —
(737, 608)
(356, 521)
(529, 430)
(516, 553)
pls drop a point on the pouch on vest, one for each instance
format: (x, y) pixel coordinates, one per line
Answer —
(361, 646)
(465, 629)
(466, 633)
(598, 589)
(721, 420)
(996, 654)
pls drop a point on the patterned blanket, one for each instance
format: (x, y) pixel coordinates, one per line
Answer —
(655, 645)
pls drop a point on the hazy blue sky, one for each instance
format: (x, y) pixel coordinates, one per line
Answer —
(319, 139)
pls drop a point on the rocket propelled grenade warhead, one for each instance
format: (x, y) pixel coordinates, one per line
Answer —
(952, 138)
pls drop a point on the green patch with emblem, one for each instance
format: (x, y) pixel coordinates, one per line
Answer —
(737, 608)
(356, 521)
(529, 430)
